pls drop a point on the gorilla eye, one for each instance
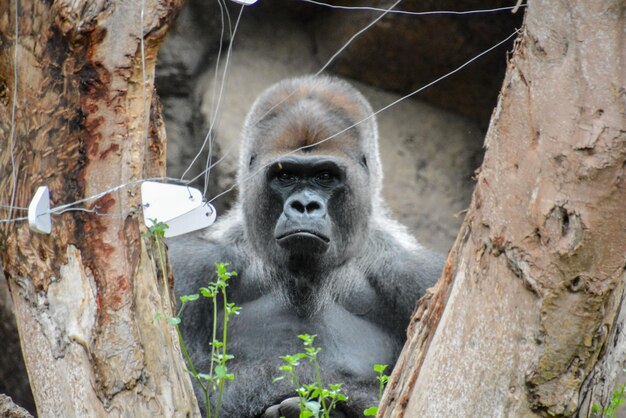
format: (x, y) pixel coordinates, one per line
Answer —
(286, 177)
(325, 177)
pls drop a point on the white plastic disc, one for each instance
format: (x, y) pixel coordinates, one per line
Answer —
(198, 218)
(162, 201)
(39, 211)
(245, 2)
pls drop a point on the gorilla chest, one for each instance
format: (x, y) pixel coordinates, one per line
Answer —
(350, 344)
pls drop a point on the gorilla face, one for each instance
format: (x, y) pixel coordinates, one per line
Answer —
(304, 187)
(309, 210)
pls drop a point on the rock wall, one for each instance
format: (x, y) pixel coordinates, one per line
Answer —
(429, 153)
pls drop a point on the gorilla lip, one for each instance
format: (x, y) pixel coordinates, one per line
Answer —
(303, 234)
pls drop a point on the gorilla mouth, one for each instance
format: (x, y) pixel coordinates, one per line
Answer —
(304, 234)
(303, 242)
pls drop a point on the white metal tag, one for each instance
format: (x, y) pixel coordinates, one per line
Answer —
(245, 2)
(39, 211)
(198, 218)
(180, 207)
(162, 201)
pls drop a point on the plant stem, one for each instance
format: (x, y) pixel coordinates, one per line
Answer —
(320, 387)
(190, 365)
(161, 255)
(224, 352)
(213, 333)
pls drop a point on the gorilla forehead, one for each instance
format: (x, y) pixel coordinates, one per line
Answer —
(310, 125)
(309, 134)
(306, 112)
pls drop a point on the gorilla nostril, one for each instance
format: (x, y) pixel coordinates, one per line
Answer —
(313, 206)
(298, 206)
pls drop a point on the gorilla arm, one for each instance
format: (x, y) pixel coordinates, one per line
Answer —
(399, 269)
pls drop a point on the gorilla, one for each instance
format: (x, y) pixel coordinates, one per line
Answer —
(315, 250)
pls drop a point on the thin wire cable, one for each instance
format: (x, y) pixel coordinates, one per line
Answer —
(328, 62)
(220, 95)
(12, 207)
(222, 158)
(68, 207)
(395, 102)
(13, 111)
(214, 110)
(6, 221)
(111, 190)
(406, 12)
(214, 86)
(332, 58)
(218, 109)
(356, 35)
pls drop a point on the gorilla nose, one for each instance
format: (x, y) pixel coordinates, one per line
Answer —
(305, 204)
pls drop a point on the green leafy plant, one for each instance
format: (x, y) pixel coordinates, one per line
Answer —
(315, 400)
(382, 381)
(156, 233)
(218, 373)
(617, 399)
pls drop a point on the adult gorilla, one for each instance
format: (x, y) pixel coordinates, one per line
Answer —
(315, 251)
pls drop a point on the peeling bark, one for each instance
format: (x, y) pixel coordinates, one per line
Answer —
(527, 318)
(10, 410)
(85, 296)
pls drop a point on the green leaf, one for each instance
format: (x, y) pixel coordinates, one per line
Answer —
(380, 367)
(173, 321)
(231, 309)
(189, 298)
(206, 292)
(205, 376)
(307, 338)
(157, 229)
(220, 371)
(293, 360)
(371, 411)
(313, 406)
(277, 379)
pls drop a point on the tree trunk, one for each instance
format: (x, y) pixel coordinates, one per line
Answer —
(85, 296)
(528, 318)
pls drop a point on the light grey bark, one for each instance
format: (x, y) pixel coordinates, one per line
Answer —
(528, 318)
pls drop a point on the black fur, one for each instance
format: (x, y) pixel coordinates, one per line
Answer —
(355, 288)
